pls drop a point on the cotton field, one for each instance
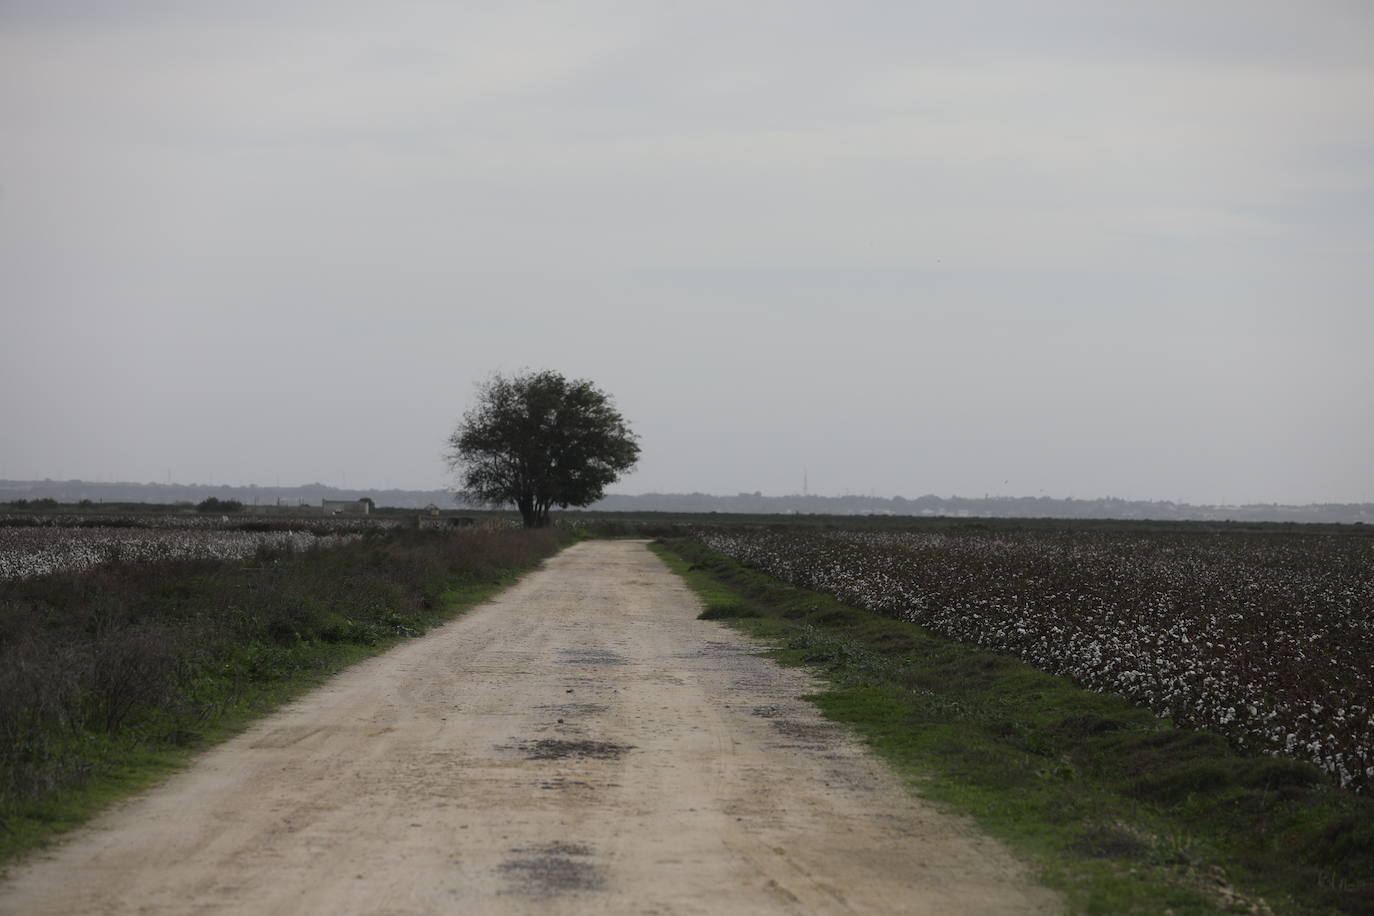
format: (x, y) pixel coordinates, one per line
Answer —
(1268, 639)
(328, 524)
(27, 551)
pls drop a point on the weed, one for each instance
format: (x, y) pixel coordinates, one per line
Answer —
(724, 610)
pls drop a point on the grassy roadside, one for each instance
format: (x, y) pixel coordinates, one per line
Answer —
(1117, 809)
(113, 679)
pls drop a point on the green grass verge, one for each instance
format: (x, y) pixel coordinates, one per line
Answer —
(95, 768)
(1118, 810)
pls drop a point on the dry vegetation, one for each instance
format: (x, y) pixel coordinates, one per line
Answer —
(146, 649)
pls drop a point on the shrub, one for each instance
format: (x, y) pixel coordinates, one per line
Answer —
(154, 648)
(214, 504)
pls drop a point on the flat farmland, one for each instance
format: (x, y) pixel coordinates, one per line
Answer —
(40, 550)
(1265, 638)
(583, 743)
(40, 545)
(145, 644)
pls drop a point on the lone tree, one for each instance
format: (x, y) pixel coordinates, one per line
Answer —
(537, 440)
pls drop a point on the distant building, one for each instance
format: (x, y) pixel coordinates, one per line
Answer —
(346, 506)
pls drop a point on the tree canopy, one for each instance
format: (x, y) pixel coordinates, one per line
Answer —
(537, 440)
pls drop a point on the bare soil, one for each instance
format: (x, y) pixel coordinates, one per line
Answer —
(580, 744)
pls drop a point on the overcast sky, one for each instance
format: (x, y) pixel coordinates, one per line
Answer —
(1062, 247)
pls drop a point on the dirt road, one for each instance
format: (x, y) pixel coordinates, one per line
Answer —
(581, 744)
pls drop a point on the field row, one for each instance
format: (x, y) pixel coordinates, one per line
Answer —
(320, 524)
(1267, 639)
(29, 552)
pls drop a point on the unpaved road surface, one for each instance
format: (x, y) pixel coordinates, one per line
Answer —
(581, 744)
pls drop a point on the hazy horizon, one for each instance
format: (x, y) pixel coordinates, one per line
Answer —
(616, 490)
(1071, 249)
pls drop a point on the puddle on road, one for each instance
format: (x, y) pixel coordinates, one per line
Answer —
(551, 870)
(563, 749)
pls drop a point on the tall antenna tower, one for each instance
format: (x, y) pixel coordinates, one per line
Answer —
(806, 487)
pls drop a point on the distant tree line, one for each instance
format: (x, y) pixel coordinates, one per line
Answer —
(215, 504)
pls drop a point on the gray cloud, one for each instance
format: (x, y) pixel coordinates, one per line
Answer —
(1081, 248)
